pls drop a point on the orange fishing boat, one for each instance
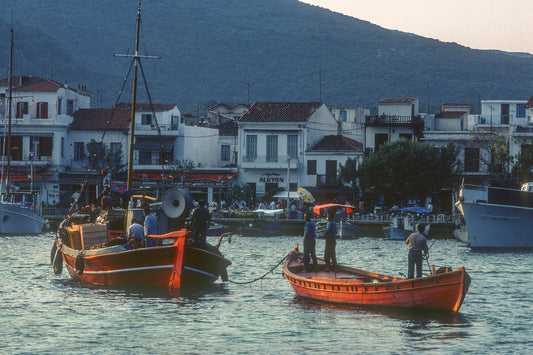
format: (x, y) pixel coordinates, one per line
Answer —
(94, 248)
(444, 289)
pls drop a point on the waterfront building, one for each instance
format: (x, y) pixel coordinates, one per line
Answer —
(285, 145)
(42, 111)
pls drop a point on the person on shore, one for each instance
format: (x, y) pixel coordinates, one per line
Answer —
(106, 202)
(329, 251)
(417, 244)
(106, 181)
(200, 220)
(150, 226)
(309, 242)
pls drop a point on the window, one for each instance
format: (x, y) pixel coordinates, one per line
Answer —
(505, 114)
(59, 103)
(272, 148)
(146, 119)
(167, 156)
(251, 147)
(22, 109)
(145, 157)
(311, 167)
(471, 160)
(42, 110)
(224, 152)
(70, 107)
(292, 145)
(521, 110)
(45, 146)
(380, 139)
(343, 114)
(79, 151)
(62, 147)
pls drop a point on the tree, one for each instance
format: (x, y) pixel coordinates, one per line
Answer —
(100, 156)
(406, 169)
(349, 175)
(177, 167)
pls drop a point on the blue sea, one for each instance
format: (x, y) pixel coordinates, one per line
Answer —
(44, 313)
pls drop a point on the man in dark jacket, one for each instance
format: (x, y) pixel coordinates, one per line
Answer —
(200, 222)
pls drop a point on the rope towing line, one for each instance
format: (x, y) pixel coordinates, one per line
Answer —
(262, 276)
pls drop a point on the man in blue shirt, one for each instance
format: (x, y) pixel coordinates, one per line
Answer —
(150, 227)
(136, 231)
(309, 242)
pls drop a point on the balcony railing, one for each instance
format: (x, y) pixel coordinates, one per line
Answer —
(388, 119)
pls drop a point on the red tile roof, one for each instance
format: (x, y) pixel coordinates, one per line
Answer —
(398, 100)
(280, 112)
(30, 83)
(530, 103)
(337, 143)
(96, 119)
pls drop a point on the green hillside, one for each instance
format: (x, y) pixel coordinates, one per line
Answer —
(282, 50)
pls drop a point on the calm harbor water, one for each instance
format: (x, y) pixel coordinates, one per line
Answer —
(45, 313)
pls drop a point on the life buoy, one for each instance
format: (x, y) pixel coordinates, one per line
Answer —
(80, 264)
(56, 259)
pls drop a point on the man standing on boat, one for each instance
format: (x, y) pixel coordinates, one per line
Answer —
(416, 243)
(150, 226)
(329, 251)
(309, 241)
(200, 220)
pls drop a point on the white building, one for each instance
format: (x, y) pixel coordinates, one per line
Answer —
(397, 118)
(276, 141)
(42, 112)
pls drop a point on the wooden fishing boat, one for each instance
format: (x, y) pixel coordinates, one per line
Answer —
(174, 264)
(443, 290)
(95, 250)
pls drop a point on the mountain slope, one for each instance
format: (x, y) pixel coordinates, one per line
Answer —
(282, 50)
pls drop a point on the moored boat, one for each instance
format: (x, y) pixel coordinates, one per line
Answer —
(15, 218)
(497, 218)
(345, 229)
(442, 290)
(94, 248)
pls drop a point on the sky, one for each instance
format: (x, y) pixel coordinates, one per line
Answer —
(480, 24)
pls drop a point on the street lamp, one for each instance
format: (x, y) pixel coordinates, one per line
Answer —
(288, 184)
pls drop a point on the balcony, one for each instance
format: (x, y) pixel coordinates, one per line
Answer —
(271, 162)
(391, 120)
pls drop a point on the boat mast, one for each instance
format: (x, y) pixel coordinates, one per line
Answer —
(9, 110)
(136, 62)
(134, 97)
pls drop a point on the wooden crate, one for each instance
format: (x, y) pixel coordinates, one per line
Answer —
(74, 236)
(92, 234)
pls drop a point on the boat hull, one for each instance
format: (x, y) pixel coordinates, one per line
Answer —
(173, 266)
(19, 220)
(498, 226)
(394, 233)
(442, 291)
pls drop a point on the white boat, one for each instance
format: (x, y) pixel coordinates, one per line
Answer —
(403, 225)
(497, 218)
(15, 218)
